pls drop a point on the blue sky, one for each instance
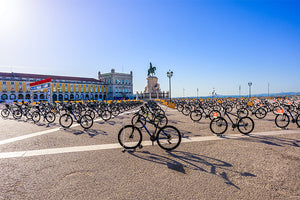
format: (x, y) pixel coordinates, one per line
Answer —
(208, 44)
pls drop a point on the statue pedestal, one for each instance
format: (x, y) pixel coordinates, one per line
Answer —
(152, 85)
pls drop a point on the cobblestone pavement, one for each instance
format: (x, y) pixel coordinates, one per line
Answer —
(47, 162)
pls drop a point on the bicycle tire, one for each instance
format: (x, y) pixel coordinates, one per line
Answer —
(282, 120)
(196, 115)
(243, 112)
(161, 120)
(245, 122)
(106, 115)
(17, 114)
(218, 125)
(135, 122)
(260, 113)
(86, 121)
(5, 113)
(168, 138)
(50, 117)
(66, 120)
(298, 120)
(36, 116)
(130, 137)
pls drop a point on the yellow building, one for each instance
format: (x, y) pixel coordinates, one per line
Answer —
(15, 86)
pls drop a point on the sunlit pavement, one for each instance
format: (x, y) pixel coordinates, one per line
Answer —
(40, 161)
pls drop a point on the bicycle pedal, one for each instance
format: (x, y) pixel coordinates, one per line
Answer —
(124, 150)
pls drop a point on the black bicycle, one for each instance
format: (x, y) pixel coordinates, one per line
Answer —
(219, 125)
(66, 120)
(167, 137)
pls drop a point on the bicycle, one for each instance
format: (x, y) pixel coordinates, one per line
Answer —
(66, 120)
(282, 119)
(219, 125)
(167, 137)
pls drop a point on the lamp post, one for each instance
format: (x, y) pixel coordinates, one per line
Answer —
(250, 84)
(169, 75)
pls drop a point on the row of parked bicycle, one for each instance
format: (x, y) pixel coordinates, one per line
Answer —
(83, 113)
(217, 110)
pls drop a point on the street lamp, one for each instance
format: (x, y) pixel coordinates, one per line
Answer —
(250, 84)
(170, 74)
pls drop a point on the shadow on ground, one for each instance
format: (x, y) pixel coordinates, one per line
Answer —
(181, 161)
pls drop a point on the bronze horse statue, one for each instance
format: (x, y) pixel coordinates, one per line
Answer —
(151, 70)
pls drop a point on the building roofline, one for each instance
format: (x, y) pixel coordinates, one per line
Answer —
(43, 76)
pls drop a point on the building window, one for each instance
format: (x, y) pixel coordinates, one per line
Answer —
(27, 87)
(12, 86)
(81, 88)
(123, 82)
(126, 82)
(20, 87)
(72, 87)
(4, 96)
(60, 87)
(116, 81)
(4, 87)
(77, 90)
(66, 87)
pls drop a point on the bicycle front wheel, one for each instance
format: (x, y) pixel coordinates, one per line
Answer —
(298, 120)
(66, 120)
(282, 120)
(245, 125)
(130, 137)
(218, 125)
(50, 117)
(86, 121)
(5, 113)
(168, 138)
(106, 115)
(36, 116)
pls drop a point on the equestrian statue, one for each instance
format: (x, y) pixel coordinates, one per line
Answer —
(151, 70)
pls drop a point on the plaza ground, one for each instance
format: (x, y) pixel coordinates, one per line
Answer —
(47, 162)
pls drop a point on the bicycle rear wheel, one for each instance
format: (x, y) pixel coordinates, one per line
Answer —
(66, 120)
(130, 137)
(245, 125)
(86, 121)
(282, 120)
(218, 125)
(168, 138)
(243, 112)
(260, 113)
(161, 121)
(196, 115)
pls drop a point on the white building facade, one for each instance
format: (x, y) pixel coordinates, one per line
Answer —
(119, 85)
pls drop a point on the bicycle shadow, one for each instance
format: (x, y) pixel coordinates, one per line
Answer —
(90, 132)
(275, 141)
(181, 161)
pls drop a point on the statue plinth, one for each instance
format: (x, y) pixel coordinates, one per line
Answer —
(152, 85)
